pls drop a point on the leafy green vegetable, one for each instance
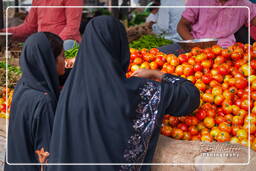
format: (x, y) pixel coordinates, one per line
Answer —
(72, 53)
(149, 42)
(10, 67)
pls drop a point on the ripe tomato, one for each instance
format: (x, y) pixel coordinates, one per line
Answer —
(179, 70)
(223, 136)
(229, 118)
(174, 61)
(153, 65)
(206, 78)
(200, 85)
(166, 130)
(134, 68)
(223, 69)
(193, 130)
(165, 121)
(216, 49)
(208, 97)
(235, 128)
(199, 74)
(226, 53)
(251, 127)
(207, 137)
(219, 119)
(177, 133)
(211, 113)
(187, 136)
(183, 58)
(145, 65)
(241, 83)
(224, 126)
(200, 126)
(188, 70)
(210, 55)
(236, 56)
(196, 138)
(160, 61)
(209, 122)
(198, 67)
(218, 99)
(207, 63)
(196, 51)
(153, 51)
(201, 114)
(214, 132)
(173, 121)
(219, 60)
(137, 61)
(182, 126)
(241, 134)
(253, 64)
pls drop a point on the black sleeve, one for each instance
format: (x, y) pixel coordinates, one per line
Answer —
(42, 126)
(179, 96)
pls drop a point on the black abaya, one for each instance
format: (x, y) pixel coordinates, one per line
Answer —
(101, 116)
(33, 106)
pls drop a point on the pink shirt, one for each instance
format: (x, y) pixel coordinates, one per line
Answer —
(220, 23)
(64, 22)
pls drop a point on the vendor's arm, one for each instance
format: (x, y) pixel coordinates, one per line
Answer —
(189, 17)
(27, 28)
(73, 19)
(183, 28)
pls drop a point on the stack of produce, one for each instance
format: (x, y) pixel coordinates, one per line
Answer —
(4, 105)
(223, 78)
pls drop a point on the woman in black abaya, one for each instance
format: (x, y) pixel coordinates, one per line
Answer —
(34, 102)
(101, 116)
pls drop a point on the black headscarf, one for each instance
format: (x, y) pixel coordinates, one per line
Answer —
(38, 65)
(33, 104)
(96, 113)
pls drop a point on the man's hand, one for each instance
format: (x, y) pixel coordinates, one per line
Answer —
(149, 74)
(69, 63)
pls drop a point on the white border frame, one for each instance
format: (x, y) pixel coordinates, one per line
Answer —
(142, 164)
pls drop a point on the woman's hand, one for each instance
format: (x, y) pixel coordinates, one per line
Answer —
(149, 74)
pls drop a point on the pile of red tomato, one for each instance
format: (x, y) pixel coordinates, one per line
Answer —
(4, 105)
(223, 77)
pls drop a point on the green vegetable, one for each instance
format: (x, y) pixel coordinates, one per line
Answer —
(10, 67)
(72, 53)
(149, 42)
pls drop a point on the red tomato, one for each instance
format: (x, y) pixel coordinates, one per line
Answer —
(223, 69)
(193, 130)
(166, 130)
(223, 136)
(226, 53)
(209, 122)
(177, 133)
(224, 126)
(241, 83)
(219, 119)
(182, 126)
(173, 121)
(183, 58)
(201, 114)
(216, 49)
(206, 78)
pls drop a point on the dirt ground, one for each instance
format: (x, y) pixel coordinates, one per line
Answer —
(183, 155)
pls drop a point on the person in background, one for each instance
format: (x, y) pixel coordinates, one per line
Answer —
(153, 16)
(34, 101)
(64, 22)
(219, 23)
(99, 104)
(168, 19)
